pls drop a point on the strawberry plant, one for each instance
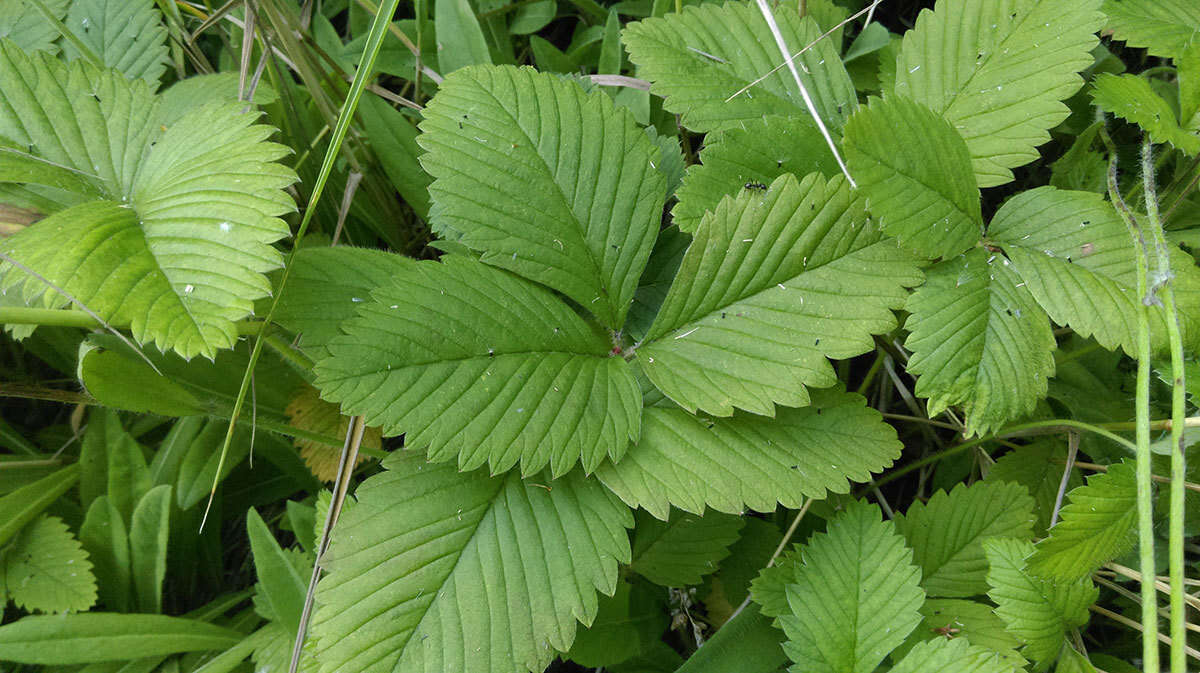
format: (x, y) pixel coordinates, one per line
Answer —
(822, 336)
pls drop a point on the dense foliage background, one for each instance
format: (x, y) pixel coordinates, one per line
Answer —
(660, 355)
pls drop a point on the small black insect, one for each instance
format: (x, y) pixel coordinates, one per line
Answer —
(756, 186)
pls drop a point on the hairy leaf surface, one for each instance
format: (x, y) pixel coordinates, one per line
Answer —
(979, 340)
(699, 58)
(775, 282)
(1097, 525)
(546, 181)
(730, 464)
(473, 363)
(436, 570)
(997, 71)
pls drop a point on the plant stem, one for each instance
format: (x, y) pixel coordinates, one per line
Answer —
(52, 317)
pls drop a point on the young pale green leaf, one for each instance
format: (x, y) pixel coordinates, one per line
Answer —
(699, 58)
(196, 90)
(979, 340)
(24, 504)
(28, 28)
(916, 173)
(1001, 84)
(1037, 611)
(679, 552)
(952, 656)
(1097, 526)
(93, 637)
(148, 536)
(769, 588)
(754, 153)
(1074, 255)
(105, 537)
(471, 362)
(127, 35)
(775, 282)
(1131, 98)
(1039, 468)
(854, 599)
(479, 574)
(46, 569)
(730, 464)
(178, 245)
(1161, 27)
(546, 181)
(946, 533)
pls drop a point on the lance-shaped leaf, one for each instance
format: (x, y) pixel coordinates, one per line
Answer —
(952, 656)
(127, 35)
(854, 599)
(546, 181)
(1161, 27)
(439, 570)
(997, 71)
(946, 534)
(916, 172)
(775, 282)
(979, 340)
(1131, 98)
(1097, 526)
(730, 464)
(1037, 611)
(697, 59)
(471, 362)
(1075, 256)
(172, 230)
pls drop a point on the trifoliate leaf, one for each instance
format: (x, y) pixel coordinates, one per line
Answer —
(952, 656)
(546, 181)
(746, 156)
(1097, 526)
(1075, 256)
(1001, 84)
(946, 533)
(308, 411)
(699, 58)
(916, 172)
(681, 551)
(127, 35)
(1161, 27)
(730, 464)
(979, 340)
(1131, 98)
(21, 22)
(471, 362)
(1037, 611)
(775, 282)
(856, 597)
(441, 570)
(47, 570)
(1039, 468)
(172, 230)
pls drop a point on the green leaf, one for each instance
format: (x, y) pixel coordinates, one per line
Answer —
(952, 656)
(1037, 611)
(656, 280)
(1131, 98)
(756, 152)
(916, 173)
(1001, 84)
(1074, 255)
(977, 623)
(746, 461)
(699, 58)
(127, 35)
(459, 37)
(532, 17)
(127, 473)
(979, 340)
(1039, 468)
(122, 382)
(745, 644)
(1097, 526)
(23, 505)
(775, 282)
(394, 139)
(179, 98)
(1188, 71)
(1162, 27)
(98, 636)
(946, 533)
(104, 535)
(1071, 661)
(28, 28)
(627, 624)
(496, 370)
(551, 183)
(854, 599)
(679, 552)
(47, 570)
(527, 559)
(177, 246)
(280, 583)
(148, 535)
